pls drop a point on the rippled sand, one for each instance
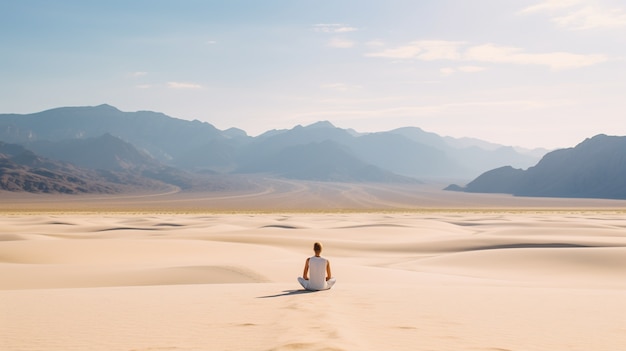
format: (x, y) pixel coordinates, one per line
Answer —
(498, 279)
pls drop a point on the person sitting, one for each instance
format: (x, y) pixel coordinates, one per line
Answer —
(317, 274)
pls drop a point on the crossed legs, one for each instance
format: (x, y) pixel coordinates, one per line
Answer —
(305, 283)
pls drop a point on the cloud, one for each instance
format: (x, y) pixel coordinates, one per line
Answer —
(143, 86)
(511, 55)
(402, 52)
(427, 50)
(341, 43)
(580, 14)
(345, 29)
(550, 5)
(336, 28)
(182, 85)
(138, 74)
(490, 53)
(590, 18)
(333, 28)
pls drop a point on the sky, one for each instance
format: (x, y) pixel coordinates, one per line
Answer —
(530, 73)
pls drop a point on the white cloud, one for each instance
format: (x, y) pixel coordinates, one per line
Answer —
(438, 50)
(139, 74)
(402, 52)
(341, 43)
(336, 28)
(345, 29)
(580, 14)
(591, 17)
(210, 42)
(554, 60)
(458, 51)
(182, 85)
(427, 50)
(143, 86)
(550, 5)
(333, 28)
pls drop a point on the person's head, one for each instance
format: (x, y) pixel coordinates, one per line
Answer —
(317, 247)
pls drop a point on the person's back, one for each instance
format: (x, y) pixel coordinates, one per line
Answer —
(317, 274)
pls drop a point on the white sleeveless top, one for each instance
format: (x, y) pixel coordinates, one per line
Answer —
(317, 273)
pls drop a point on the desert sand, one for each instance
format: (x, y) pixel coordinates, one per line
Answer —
(416, 270)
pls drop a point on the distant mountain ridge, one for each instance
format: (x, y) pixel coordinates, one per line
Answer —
(152, 144)
(23, 170)
(595, 168)
(103, 152)
(155, 133)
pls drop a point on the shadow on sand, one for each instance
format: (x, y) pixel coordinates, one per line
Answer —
(288, 293)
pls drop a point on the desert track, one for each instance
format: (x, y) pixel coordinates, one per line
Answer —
(293, 195)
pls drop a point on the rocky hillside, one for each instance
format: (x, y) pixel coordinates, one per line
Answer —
(595, 168)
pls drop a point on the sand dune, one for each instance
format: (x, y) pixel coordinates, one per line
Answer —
(422, 280)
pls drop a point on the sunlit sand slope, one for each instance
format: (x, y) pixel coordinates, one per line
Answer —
(446, 280)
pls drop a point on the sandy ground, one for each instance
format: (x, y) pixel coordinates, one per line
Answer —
(273, 195)
(497, 274)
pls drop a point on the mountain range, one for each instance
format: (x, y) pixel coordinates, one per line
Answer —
(595, 168)
(104, 150)
(23, 170)
(114, 150)
(160, 148)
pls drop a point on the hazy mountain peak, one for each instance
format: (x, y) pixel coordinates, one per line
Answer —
(595, 168)
(107, 107)
(354, 133)
(409, 151)
(404, 129)
(597, 139)
(235, 132)
(103, 108)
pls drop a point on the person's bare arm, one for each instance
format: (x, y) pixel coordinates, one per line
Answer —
(305, 274)
(328, 273)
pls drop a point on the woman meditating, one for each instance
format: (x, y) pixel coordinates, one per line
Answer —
(317, 275)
